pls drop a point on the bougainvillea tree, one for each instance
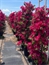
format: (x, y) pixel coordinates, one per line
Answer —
(2, 23)
(11, 21)
(21, 21)
(38, 36)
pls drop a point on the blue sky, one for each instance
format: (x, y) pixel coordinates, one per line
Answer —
(8, 6)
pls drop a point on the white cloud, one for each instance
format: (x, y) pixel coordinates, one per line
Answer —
(6, 10)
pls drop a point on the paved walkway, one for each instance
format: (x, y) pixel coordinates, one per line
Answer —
(10, 55)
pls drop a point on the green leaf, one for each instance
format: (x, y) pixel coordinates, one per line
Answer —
(36, 62)
(20, 22)
(33, 42)
(29, 56)
(30, 38)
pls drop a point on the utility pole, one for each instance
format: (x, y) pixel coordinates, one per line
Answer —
(45, 4)
(39, 2)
